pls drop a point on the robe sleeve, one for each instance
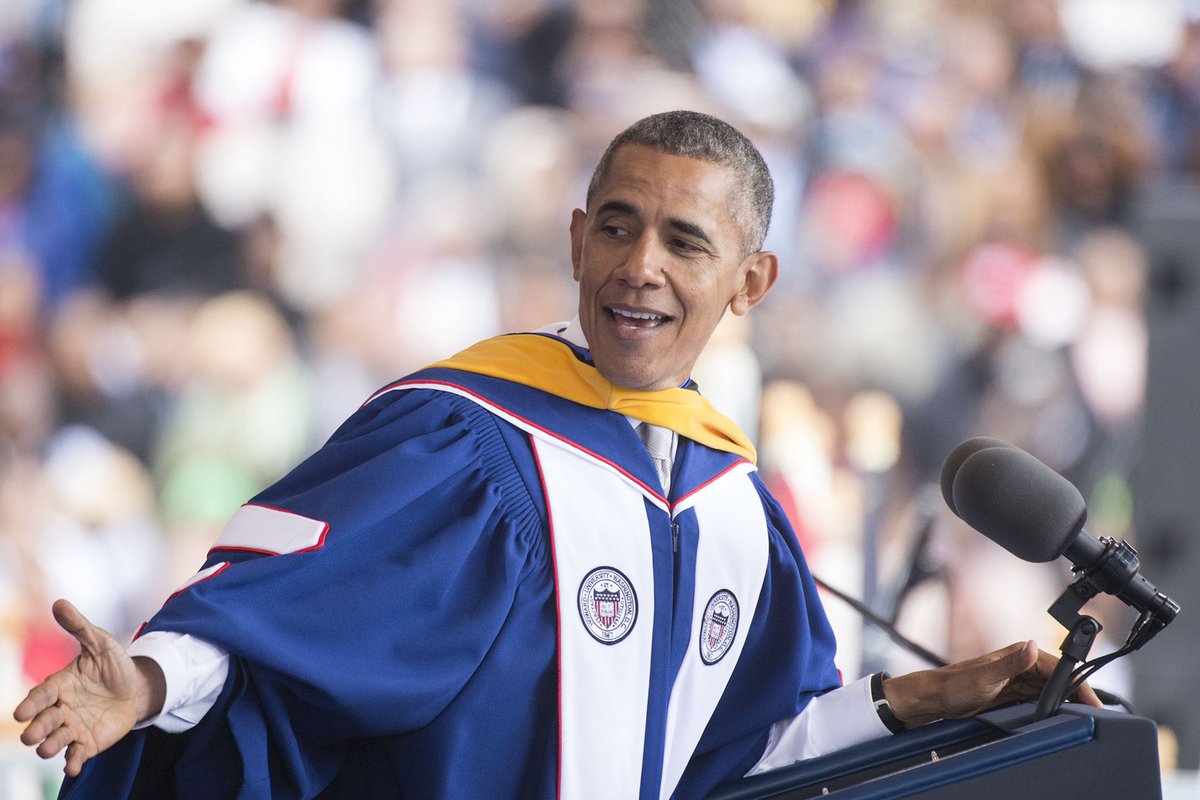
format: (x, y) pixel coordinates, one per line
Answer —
(428, 530)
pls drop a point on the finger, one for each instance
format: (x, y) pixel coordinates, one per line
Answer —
(1012, 661)
(72, 620)
(76, 756)
(55, 742)
(1046, 663)
(1011, 672)
(40, 697)
(1085, 694)
(42, 726)
(1026, 657)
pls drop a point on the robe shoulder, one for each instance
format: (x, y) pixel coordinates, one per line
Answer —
(429, 516)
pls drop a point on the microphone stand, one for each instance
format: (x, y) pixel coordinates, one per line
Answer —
(1081, 633)
(1074, 650)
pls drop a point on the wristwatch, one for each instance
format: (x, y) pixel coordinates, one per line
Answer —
(882, 707)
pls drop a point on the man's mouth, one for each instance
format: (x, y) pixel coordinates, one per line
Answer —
(629, 318)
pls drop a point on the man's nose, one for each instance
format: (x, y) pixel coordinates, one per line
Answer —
(645, 263)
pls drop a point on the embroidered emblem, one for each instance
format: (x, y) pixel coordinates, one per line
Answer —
(719, 626)
(607, 605)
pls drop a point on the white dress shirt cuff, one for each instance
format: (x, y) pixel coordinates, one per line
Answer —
(195, 672)
(834, 721)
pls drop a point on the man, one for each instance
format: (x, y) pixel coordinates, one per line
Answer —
(543, 568)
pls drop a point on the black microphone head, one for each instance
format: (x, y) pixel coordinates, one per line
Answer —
(1018, 502)
(957, 456)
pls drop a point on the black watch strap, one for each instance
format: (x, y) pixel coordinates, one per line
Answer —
(882, 707)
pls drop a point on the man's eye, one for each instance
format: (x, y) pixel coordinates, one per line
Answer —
(685, 246)
(614, 230)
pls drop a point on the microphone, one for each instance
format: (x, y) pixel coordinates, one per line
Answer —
(955, 460)
(1036, 514)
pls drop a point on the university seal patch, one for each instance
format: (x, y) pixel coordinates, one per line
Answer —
(719, 626)
(607, 605)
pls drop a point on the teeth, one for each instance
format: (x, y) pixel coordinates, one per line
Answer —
(637, 314)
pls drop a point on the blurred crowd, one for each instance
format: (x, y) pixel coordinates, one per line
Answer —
(224, 223)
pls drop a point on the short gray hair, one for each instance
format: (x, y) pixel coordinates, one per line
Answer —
(696, 135)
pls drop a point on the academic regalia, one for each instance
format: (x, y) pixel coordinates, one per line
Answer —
(478, 578)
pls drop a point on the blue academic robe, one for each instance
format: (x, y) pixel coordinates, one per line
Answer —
(411, 648)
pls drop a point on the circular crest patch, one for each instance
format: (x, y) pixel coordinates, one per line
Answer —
(719, 626)
(607, 605)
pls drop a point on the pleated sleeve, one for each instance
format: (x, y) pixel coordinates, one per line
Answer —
(362, 594)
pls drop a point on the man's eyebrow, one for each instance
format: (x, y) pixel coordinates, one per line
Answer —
(690, 229)
(619, 206)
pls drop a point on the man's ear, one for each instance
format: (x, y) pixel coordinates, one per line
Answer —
(578, 223)
(759, 272)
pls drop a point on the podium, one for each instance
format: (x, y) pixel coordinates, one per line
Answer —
(1082, 753)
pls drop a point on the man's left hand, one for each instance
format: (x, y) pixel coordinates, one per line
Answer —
(966, 688)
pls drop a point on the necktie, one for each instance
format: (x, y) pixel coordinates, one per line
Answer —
(658, 443)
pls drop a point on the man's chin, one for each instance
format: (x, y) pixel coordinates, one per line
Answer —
(629, 376)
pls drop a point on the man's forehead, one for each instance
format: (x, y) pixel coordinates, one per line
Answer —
(637, 168)
(626, 154)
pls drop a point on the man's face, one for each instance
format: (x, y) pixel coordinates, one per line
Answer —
(658, 259)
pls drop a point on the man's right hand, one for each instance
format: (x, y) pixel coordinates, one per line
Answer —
(91, 703)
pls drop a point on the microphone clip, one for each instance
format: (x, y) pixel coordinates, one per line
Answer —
(1112, 572)
(1115, 569)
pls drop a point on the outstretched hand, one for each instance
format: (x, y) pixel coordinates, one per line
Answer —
(91, 703)
(966, 688)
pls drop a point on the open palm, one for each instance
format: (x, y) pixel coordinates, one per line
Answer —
(88, 705)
